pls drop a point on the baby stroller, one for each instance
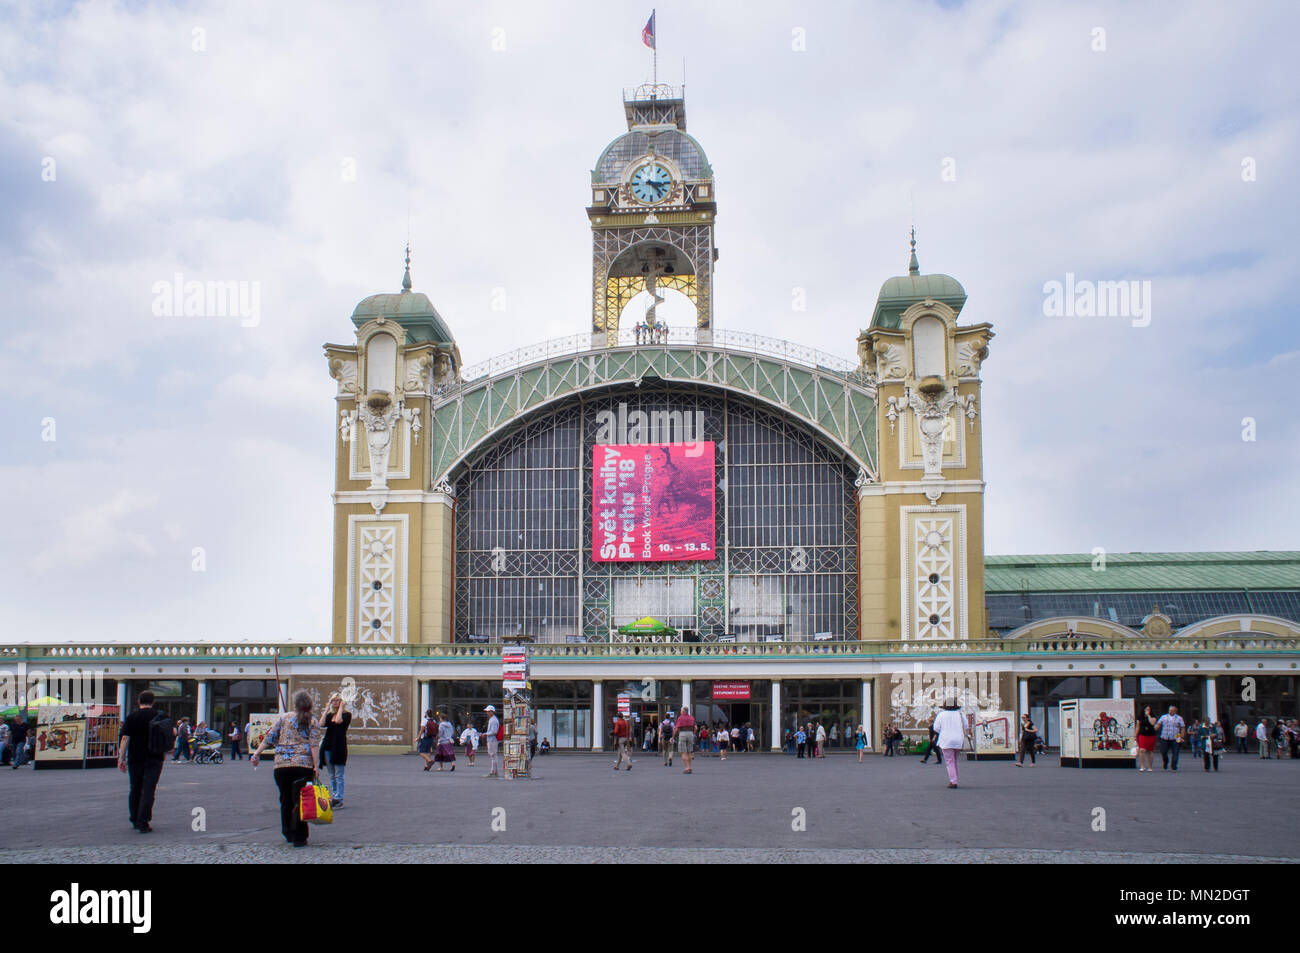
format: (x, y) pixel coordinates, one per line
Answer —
(207, 751)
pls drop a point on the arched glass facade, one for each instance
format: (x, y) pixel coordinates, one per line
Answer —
(786, 532)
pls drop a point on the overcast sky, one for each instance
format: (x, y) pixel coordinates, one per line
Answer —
(219, 141)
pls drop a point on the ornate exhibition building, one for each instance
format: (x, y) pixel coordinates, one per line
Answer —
(683, 514)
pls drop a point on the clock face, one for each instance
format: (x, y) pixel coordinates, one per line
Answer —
(651, 183)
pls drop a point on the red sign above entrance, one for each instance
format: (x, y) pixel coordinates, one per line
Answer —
(732, 691)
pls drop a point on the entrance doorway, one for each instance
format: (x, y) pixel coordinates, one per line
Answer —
(714, 704)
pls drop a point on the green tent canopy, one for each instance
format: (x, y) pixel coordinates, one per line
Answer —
(646, 626)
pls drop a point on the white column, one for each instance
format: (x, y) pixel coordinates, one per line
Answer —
(686, 695)
(202, 706)
(426, 700)
(597, 715)
(121, 698)
(776, 714)
(1211, 713)
(21, 685)
(868, 711)
(1116, 687)
(284, 696)
(1024, 696)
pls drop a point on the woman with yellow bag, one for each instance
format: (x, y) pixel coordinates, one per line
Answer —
(296, 737)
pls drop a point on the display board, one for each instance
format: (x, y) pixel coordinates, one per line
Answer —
(1107, 732)
(77, 736)
(1098, 733)
(61, 734)
(258, 726)
(516, 712)
(996, 734)
(1069, 718)
(652, 502)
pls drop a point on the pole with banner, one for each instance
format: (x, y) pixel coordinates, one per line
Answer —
(516, 709)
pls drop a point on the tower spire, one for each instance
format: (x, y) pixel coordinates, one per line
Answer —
(913, 267)
(406, 278)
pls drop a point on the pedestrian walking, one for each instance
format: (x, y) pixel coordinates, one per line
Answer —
(428, 739)
(684, 736)
(948, 723)
(801, 741)
(933, 747)
(1028, 738)
(296, 738)
(532, 739)
(494, 732)
(860, 742)
(666, 739)
(821, 740)
(18, 740)
(1146, 739)
(182, 739)
(142, 766)
(235, 736)
(334, 745)
(469, 738)
(724, 742)
(1171, 727)
(445, 753)
(622, 734)
(889, 740)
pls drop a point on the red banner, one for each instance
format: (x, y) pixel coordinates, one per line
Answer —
(652, 502)
(731, 691)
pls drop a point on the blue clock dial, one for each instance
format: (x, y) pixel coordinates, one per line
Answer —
(651, 183)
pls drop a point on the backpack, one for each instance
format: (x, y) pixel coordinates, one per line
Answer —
(501, 730)
(160, 735)
(430, 729)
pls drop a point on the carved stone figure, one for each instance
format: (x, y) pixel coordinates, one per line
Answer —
(971, 352)
(931, 421)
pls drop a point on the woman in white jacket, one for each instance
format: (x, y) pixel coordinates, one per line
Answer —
(952, 735)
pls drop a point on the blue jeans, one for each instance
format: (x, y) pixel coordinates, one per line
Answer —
(1166, 746)
(337, 773)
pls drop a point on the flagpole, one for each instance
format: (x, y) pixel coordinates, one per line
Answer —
(655, 48)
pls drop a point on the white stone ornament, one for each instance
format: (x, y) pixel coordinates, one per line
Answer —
(931, 421)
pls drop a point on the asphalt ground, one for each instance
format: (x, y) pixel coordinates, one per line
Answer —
(748, 808)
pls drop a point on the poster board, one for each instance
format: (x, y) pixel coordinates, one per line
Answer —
(1107, 733)
(996, 734)
(1069, 719)
(61, 736)
(258, 726)
(1098, 733)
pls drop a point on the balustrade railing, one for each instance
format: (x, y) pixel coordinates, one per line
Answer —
(1239, 644)
(677, 337)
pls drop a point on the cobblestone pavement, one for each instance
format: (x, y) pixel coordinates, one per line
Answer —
(747, 809)
(551, 854)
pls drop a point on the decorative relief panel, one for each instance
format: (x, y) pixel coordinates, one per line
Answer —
(376, 589)
(934, 573)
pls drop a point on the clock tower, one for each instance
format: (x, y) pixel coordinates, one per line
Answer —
(652, 210)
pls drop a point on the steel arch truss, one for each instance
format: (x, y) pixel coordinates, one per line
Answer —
(839, 407)
(694, 242)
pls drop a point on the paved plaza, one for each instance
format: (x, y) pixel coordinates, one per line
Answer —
(741, 810)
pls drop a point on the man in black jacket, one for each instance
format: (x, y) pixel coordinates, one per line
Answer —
(142, 766)
(934, 746)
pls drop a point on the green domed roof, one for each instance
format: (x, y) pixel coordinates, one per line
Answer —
(900, 293)
(411, 309)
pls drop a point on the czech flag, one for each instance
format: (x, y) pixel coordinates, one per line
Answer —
(648, 31)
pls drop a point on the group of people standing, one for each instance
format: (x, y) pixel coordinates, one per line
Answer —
(15, 741)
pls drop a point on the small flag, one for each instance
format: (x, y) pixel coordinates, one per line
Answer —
(648, 32)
